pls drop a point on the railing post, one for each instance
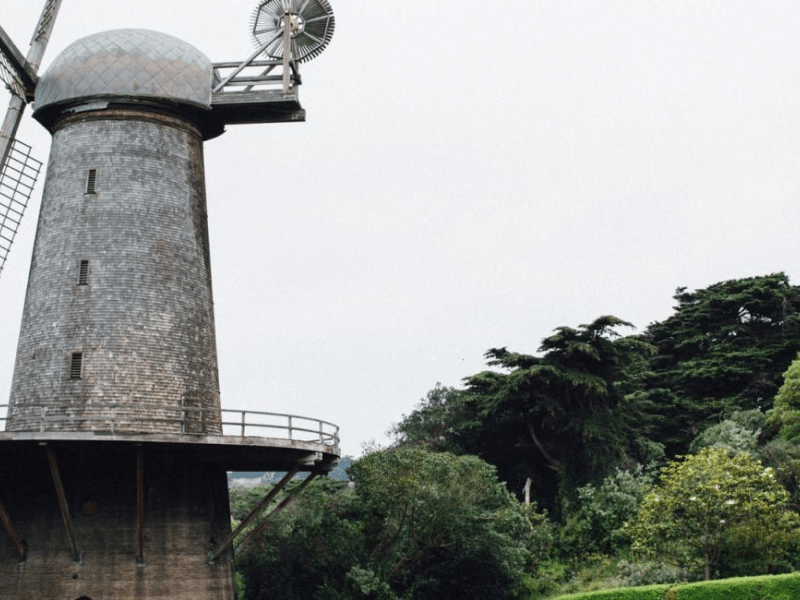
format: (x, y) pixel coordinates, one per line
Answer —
(321, 433)
(43, 417)
(243, 423)
(291, 433)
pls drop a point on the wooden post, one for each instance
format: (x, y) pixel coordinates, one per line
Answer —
(62, 503)
(18, 544)
(139, 506)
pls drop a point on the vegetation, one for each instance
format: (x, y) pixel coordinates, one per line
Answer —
(657, 458)
(415, 525)
(771, 587)
(716, 510)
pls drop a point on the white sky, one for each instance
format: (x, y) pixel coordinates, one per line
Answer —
(470, 176)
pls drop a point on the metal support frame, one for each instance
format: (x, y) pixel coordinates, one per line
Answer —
(289, 26)
(242, 66)
(139, 506)
(212, 556)
(287, 502)
(62, 503)
(19, 545)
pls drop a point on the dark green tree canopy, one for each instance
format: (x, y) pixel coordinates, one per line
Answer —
(563, 418)
(724, 349)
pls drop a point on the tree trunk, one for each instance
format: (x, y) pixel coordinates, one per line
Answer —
(554, 464)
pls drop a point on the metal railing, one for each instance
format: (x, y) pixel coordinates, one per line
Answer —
(186, 420)
(255, 75)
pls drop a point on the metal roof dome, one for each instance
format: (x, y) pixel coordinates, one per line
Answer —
(132, 63)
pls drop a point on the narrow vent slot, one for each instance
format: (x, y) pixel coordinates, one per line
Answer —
(83, 273)
(91, 181)
(76, 366)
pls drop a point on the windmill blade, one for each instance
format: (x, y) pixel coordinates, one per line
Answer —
(21, 73)
(18, 170)
(315, 24)
(17, 179)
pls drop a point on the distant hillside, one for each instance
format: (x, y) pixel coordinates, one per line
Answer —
(248, 479)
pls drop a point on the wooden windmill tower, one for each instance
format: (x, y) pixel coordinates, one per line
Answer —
(113, 458)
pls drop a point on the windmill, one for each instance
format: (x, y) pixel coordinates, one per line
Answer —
(18, 169)
(113, 458)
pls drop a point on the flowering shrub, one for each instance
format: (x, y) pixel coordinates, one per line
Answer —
(713, 509)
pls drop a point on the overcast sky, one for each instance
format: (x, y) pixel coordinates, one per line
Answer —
(471, 175)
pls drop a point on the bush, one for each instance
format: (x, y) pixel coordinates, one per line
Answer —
(598, 524)
(765, 587)
(638, 573)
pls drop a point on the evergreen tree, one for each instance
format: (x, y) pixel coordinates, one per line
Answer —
(723, 350)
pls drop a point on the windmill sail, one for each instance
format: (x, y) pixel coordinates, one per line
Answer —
(18, 169)
(17, 179)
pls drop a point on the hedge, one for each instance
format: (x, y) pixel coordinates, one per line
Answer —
(766, 587)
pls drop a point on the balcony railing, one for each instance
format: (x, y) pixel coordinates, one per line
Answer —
(126, 418)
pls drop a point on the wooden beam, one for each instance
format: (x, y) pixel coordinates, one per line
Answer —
(212, 556)
(288, 501)
(139, 506)
(26, 74)
(18, 544)
(62, 503)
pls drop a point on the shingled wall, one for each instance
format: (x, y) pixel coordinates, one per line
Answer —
(141, 320)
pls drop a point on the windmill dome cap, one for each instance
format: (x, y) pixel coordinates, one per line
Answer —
(128, 63)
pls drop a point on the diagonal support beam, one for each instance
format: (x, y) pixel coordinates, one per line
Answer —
(62, 503)
(287, 502)
(212, 556)
(18, 544)
(243, 65)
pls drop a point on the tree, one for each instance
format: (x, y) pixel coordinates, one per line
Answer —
(414, 524)
(439, 523)
(434, 422)
(785, 413)
(306, 546)
(716, 511)
(562, 419)
(724, 349)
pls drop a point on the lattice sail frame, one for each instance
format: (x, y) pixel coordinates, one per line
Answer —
(17, 180)
(311, 21)
(9, 76)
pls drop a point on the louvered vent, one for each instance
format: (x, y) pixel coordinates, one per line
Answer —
(83, 273)
(76, 366)
(91, 181)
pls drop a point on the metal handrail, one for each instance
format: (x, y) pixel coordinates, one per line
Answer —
(236, 77)
(184, 419)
